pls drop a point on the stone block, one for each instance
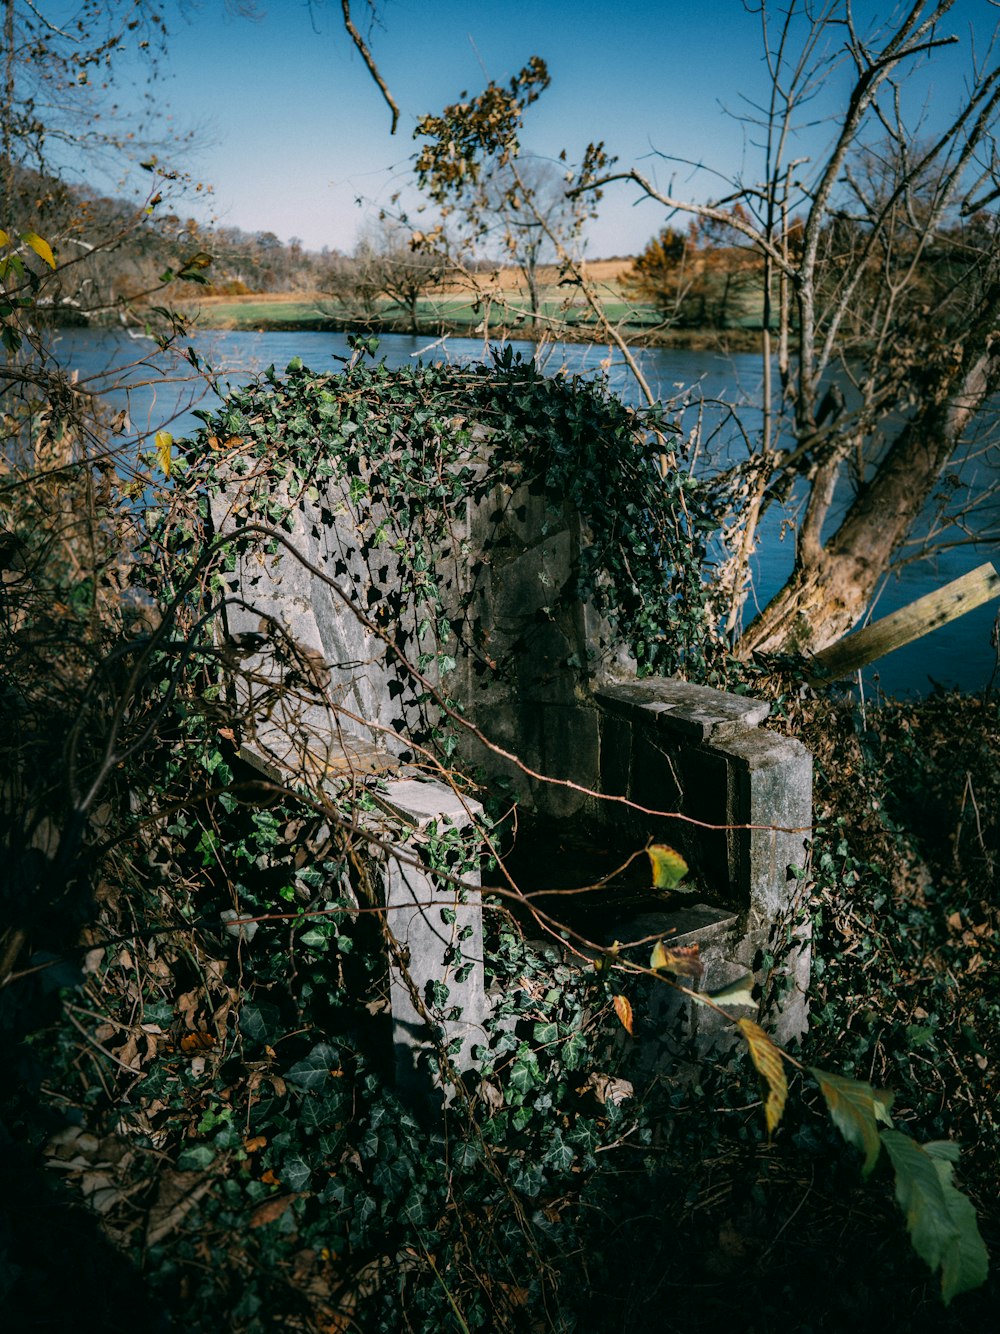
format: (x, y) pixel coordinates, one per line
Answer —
(694, 711)
(437, 930)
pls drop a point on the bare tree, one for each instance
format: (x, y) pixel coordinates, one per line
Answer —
(385, 266)
(523, 210)
(881, 300)
(471, 144)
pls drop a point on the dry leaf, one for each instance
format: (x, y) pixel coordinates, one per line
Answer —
(682, 960)
(623, 1010)
(187, 1007)
(92, 960)
(517, 1296)
(606, 1089)
(178, 1193)
(491, 1095)
(268, 1210)
(128, 1054)
(771, 1066)
(194, 1042)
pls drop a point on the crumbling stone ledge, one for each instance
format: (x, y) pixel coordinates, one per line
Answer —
(673, 747)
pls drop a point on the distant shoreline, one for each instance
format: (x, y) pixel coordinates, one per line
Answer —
(723, 340)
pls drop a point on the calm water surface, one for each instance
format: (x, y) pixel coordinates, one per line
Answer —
(164, 394)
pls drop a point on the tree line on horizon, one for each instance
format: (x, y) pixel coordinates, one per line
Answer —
(699, 278)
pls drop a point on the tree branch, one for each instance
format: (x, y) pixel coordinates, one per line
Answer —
(367, 57)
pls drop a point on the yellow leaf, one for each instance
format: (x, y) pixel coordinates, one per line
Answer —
(669, 867)
(771, 1067)
(739, 992)
(607, 958)
(684, 960)
(41, 248)
(4, 238)
(164, 442)
(624, 1012)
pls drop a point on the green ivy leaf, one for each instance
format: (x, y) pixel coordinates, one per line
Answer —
(574, 1051)
(524, 1074)
(196, 1159)
(295, 1173)
(526, 1177)
(392, 1173)
(311, 1073)
(315, 939)
(545, 1033)
(259, 1021)
(559, 1155)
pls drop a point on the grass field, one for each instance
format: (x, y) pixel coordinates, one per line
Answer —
(456, 309)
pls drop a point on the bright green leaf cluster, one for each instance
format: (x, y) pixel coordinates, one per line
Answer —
(940, 1219)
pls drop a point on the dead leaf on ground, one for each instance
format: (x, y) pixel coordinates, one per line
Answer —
(605, 1088)
(491, 1095)
(187, 1007)
(178, 1194)
(199, 1041)
(515, 1295)
(128, 1054)
(268, 1210)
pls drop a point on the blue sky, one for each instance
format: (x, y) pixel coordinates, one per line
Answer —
(292, 131)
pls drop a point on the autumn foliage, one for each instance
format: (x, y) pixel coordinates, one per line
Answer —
(705, 277)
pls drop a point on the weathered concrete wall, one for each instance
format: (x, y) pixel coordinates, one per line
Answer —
(525, 654)
(670, 746)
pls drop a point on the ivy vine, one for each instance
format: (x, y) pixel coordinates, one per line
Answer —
(411, 448)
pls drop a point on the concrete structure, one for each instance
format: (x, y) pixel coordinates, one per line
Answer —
(670, 746)
(327, 697)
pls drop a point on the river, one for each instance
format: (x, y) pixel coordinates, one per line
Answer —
(161, 394)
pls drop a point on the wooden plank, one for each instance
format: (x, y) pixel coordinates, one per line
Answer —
(901, 627)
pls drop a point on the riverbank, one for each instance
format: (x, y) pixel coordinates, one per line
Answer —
(496, 312)
(301, 316)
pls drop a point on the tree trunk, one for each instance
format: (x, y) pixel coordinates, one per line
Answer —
(530, 272)
(831, 585)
